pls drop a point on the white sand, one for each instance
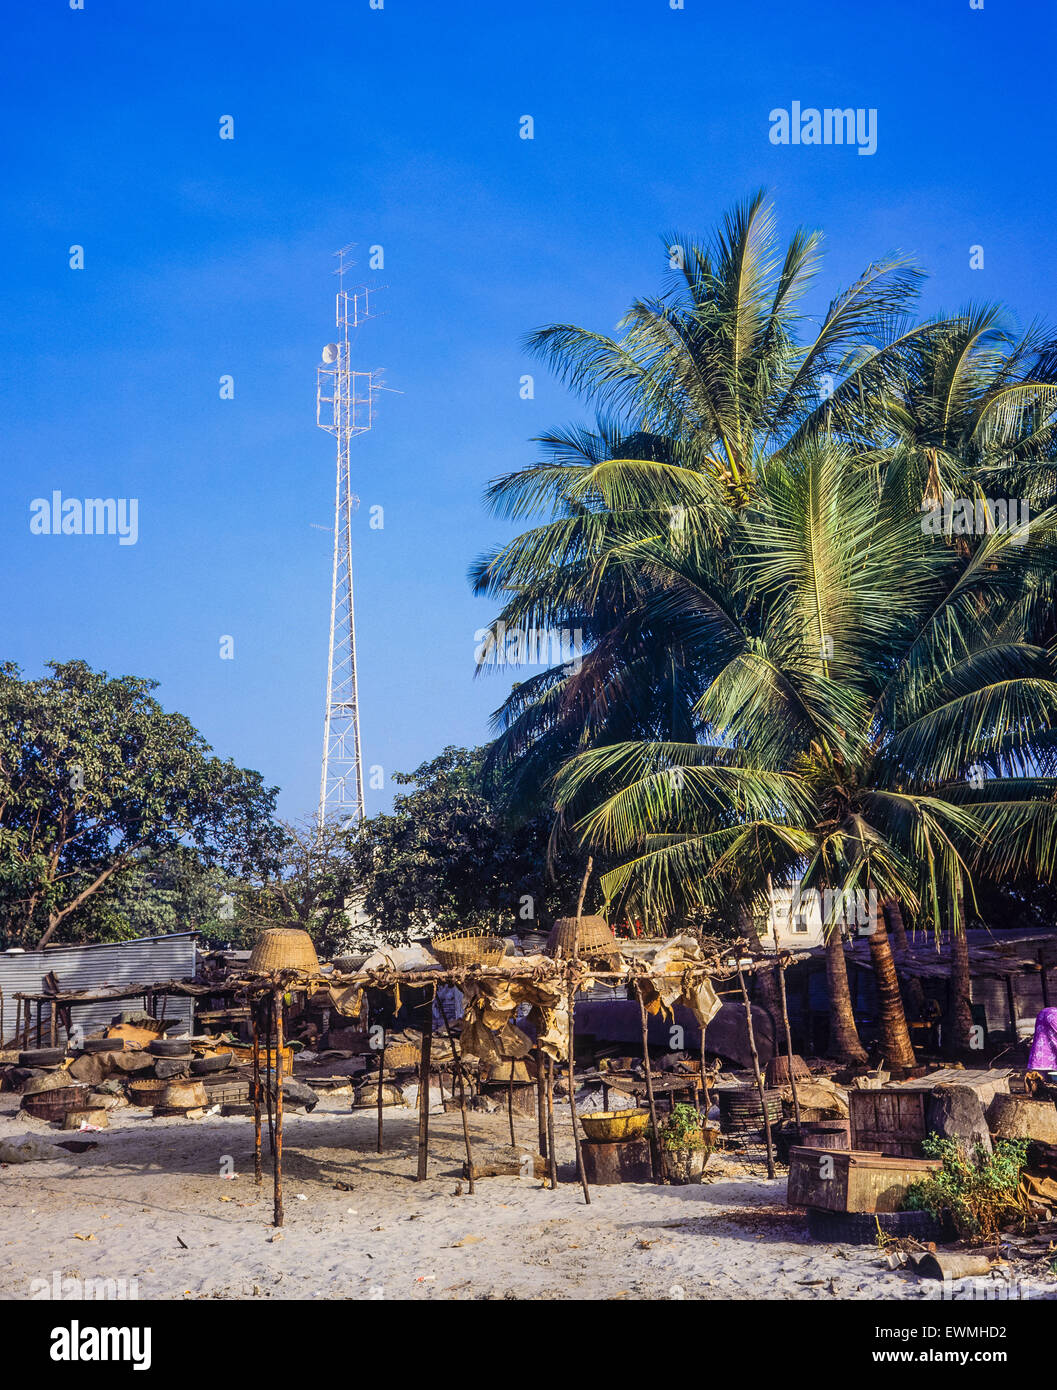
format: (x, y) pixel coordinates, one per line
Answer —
(152, 1183)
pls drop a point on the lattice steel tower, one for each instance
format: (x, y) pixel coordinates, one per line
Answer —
(345, 412)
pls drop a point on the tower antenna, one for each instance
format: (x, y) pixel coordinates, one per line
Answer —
(344, 408)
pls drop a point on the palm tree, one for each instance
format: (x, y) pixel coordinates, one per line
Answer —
(972, 409)
(873, 668)
(710, 387)
(704, 383)
(718, 363)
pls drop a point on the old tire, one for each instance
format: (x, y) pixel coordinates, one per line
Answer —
(169, 1047)
(205, 1066)
(42, 1057)
(92, 1045)
(860, 1227)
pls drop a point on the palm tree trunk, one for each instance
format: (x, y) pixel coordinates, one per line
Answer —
(844, 1042)
(958, 1032)
(895, 1036)
(913, 989)
(893, 912)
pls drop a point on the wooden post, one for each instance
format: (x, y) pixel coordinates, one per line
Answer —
(423, 1093)
(1012, 1001)
(381, 1084)
(40, 1009)
(541, 1103)
(572, 1076)
(257, 1171)
(704, 1075)
(580, 902)
(457, 1063)
(780, 971)
(655, 1138)
(277, 1218)
(510, 1100)
(757, 1073)
(552, 1159)
(572, 1031)
(269, 1019)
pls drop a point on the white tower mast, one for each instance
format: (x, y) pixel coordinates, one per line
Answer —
(344, 413)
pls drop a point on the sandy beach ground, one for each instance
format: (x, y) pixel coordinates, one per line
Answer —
(149, 1204)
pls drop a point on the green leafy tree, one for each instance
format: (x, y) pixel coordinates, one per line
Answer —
(312, 885)
(97, 780)
(159, 894)
(451, 854)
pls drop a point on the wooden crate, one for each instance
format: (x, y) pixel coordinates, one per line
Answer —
(892, 1120)
(889, 1121)
(227, 1089)
(846, 1180)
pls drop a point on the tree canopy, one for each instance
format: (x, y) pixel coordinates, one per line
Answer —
(451, 855)
(95, 780)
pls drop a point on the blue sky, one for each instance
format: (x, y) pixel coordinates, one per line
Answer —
(399, 127)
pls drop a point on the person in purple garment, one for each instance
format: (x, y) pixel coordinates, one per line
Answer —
(1043, 1054)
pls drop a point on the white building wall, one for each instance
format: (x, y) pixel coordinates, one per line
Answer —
(794, 930)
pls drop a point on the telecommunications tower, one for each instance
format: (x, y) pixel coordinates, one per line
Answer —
(344, 403)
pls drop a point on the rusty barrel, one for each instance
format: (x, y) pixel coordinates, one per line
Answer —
(741, 1112)
(54, 1104)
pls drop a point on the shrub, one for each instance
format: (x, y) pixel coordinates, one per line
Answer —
(980, 1192)
(682, 1129)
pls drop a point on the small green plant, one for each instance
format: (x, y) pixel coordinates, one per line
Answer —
(980, 1192)
(682, 1129)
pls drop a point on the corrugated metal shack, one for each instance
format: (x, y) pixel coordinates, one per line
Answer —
(144, 960)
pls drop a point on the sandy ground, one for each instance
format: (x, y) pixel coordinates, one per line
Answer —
(154, 1209)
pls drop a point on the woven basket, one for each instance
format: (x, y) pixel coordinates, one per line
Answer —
(777, 1073)
(147, 1093)
(594, 939)
(367, 1095)
(509, 1069)
(55, 1080)
(283, 948)
(467, 948)
(184, 1095)
(397, 1056)
(244, 1057)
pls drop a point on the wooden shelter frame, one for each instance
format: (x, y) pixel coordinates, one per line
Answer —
(266, 996)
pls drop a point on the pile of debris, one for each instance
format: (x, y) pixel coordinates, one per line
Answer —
(130, 1062)
(864, 1191)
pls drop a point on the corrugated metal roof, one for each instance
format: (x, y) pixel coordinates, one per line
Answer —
(144, 960)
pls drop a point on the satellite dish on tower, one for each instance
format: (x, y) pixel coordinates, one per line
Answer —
(330, 353)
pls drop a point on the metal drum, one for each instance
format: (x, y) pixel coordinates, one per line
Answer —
(741, 1113)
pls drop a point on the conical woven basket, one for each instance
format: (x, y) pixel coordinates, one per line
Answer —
(467, 948)
(595, 937)
(778, 1071)
(283, 948)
